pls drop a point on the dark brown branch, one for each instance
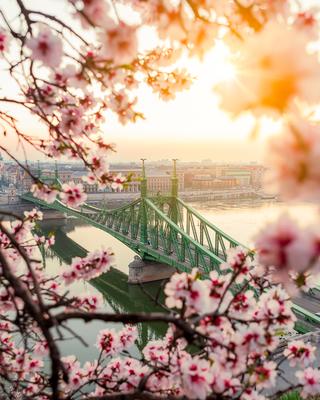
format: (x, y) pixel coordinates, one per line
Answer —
(43, 321)
(130, 318)
(58, 21)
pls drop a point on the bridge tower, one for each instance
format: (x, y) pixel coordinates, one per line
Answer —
(174, 192)
(144, 216)
(143, 185)
(174, 179)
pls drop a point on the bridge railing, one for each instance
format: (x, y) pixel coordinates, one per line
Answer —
(168, 237)
(204, 232)
(307, 320)
(163, 239)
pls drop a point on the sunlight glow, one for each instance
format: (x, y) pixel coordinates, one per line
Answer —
(269, 126)
(219, 61)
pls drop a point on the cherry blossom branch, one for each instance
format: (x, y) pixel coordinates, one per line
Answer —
(129, 318)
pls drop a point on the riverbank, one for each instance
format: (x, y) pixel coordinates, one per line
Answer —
(114, 200)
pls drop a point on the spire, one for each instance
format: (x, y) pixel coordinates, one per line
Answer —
(174, 179)
(143, 168)
(143, 186)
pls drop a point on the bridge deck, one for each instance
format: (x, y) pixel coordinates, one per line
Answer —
(169, 231)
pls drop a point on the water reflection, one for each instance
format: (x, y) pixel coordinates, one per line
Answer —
(118, 294)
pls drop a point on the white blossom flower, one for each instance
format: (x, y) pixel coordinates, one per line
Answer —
(46, 47)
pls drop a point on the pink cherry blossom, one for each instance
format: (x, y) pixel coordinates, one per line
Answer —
(127, 336)
(307, 21)
(107, 342)
(72, 120)
(6, 300)
(122, 104)
(169, 22)
(87, 302)
(201, 36)
(156, 352)
(72, 194)
(264, 376)
(263, 80)
(46, 47)
(74, 77)
(97, 11)
(274, 304)
(34, 215)
(225, 383)
(224, 327)
(309, 378)
(100, 166)
(196, 377)
(292, 156)
(218, 284)
(168, 84)
(44, 192)
(239, 260)
(189, 290)
(254, 338)
(242, 303)
(175, 290)
(299, 352)
(118, 182)
(285, 247)
(251, 394)
(4, 41)
(41, 348)
(92, 266)
(119, 43)
(34, 365)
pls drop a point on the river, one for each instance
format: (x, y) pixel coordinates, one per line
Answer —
(240, 219)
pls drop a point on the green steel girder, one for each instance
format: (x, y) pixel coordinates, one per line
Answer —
(147, 230)
(208, 234)
(186, 241)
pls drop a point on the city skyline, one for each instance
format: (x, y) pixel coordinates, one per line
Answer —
(137, 162)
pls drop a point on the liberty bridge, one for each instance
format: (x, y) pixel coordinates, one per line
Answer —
(169, 235)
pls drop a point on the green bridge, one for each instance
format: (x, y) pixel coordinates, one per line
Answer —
(166, 230)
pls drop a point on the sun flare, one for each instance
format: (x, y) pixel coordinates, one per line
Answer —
(219, 60)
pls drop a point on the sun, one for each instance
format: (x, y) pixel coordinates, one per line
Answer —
(224, 72)
(218, 60)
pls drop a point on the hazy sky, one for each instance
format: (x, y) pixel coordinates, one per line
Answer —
(191, 128)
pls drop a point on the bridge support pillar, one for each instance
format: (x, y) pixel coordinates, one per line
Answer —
(142, 271)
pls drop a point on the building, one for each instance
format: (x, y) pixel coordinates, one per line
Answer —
(207, 181)
(12, 195)
(224, 176)
(76, 177)
(242, 178)
(160, 181)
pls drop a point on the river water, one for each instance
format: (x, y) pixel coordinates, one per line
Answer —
(240, 219)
